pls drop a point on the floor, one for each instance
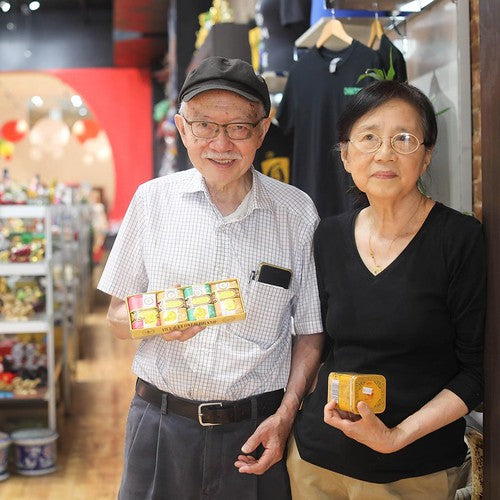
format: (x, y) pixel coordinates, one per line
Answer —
(90, 444)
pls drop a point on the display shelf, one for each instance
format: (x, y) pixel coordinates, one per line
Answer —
(39, 323)
(39, 396)
(24, 268)
(393, 6)
(66, 274)
(23, 211)
(72, 241)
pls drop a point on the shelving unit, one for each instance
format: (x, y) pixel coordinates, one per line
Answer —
(42, 324)
(73, 288)
(66, 272)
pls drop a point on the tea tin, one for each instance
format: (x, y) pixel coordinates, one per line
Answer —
(348, 389)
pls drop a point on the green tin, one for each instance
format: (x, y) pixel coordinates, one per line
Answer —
(202, 312)
(197, 290)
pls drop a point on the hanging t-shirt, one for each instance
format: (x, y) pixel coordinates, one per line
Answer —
(398, 61)
(319, 86)
(281, 22)
(273, 158)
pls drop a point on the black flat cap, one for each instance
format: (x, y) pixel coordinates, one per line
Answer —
(220, 73)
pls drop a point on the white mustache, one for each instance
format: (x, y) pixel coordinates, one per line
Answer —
(221, 156)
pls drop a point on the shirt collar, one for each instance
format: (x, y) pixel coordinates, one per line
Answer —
(260, 198)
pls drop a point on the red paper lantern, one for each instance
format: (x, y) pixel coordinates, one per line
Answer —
(14, 130)
(85, 129)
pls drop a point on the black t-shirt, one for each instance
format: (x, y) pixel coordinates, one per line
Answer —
(313, 99)
(281, 22)
(398, 61)
(273, 158)
(420, 323)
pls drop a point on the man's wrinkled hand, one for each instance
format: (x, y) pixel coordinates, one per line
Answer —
(183, 335)
(272, 434)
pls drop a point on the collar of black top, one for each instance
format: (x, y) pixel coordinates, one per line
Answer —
(221, 73)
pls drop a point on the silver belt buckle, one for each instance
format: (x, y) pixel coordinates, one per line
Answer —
(200, 413)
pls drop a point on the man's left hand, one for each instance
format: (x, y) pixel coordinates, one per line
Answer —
(272, 434)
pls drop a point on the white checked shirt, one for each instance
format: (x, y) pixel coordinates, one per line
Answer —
(173, 233)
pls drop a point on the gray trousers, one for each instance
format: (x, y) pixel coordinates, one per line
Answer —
(169, 457)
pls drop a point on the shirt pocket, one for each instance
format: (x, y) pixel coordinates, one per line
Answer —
(268, 311)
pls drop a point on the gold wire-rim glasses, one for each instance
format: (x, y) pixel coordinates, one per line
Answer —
(403, 143)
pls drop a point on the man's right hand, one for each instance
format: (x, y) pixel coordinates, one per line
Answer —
(183, 335)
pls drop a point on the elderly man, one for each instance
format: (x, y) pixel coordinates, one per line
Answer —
(213, 407)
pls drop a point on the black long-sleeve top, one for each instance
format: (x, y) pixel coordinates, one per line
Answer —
(420, 323)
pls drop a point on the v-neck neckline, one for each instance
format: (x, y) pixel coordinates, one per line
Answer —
(400, 257)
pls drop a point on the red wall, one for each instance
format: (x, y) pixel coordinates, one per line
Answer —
(121, 101)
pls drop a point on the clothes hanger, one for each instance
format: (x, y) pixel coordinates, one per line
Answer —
(335, 28)
(376, 29)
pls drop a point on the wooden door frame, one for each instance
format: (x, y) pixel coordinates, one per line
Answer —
(489, 20)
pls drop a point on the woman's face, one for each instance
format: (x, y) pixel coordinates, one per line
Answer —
(386, 173)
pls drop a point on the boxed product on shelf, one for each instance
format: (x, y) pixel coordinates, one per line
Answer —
(20, 297)
(348, 389)
(162, 311)
(22, 240)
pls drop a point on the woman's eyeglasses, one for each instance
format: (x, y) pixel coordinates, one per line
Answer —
(403, 143)
(210, 130)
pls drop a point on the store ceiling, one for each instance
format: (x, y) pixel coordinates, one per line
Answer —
(139, 32)
(139, 27)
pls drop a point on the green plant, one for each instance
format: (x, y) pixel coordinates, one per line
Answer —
(380, 74)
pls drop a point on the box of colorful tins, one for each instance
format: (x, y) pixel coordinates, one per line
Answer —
(156, 313)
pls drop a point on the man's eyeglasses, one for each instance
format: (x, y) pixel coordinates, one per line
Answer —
(210, 130)
(403, 143)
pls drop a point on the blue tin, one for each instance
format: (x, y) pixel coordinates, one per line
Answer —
(4, 455)
(35, 451)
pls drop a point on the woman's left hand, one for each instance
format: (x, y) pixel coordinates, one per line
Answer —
(368, 429)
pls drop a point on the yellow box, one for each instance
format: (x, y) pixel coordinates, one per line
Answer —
(348, 389)
(223, 316)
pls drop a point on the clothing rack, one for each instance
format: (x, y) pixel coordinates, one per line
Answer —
(388, 21)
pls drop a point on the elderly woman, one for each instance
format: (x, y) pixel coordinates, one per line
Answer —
(402, 284)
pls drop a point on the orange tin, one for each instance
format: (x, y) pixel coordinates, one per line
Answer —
(348, 389)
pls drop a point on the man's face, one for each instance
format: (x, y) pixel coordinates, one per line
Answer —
(222, 161)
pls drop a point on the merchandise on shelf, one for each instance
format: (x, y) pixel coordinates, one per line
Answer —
(22, 240)
(10, 191)
(36, 192)
(20, 298)
(23, 363)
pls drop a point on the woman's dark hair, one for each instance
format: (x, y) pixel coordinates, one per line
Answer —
(380, 92)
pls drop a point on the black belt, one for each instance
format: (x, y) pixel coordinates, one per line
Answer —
(212, 412)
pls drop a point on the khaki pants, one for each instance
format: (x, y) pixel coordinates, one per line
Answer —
(310, 482)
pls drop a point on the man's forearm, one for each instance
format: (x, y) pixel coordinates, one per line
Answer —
(306, 356)
(118, 319)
